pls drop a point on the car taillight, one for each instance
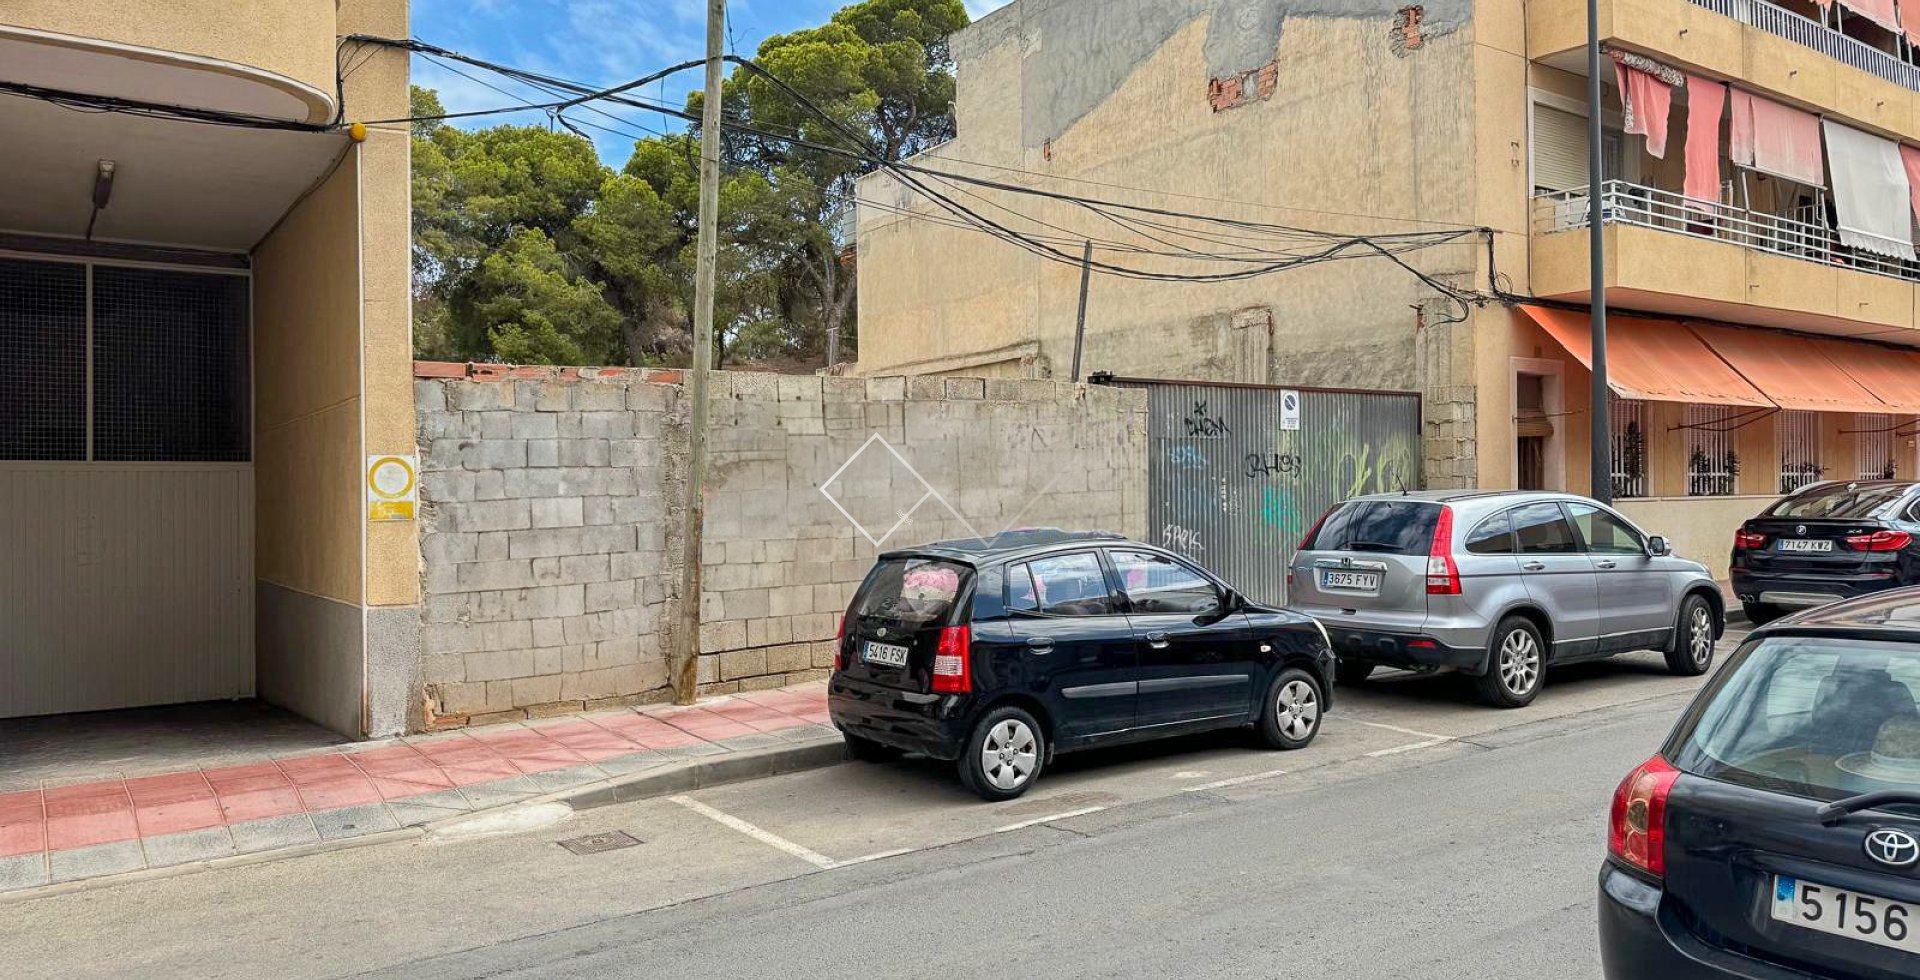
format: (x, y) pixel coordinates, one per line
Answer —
(1637, 832)
(840, 647)
(1443, 575)
(1880, 541)
(1749, 540)
(952, 665)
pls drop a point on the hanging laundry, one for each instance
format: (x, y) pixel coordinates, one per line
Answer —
(1706, 101)
(1648, 102)
(1777, 139)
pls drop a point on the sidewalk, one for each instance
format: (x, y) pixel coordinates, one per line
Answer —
(68, 831)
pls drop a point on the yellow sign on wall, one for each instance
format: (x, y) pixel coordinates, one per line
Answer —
(393, 487)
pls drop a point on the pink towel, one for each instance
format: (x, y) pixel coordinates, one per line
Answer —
(1648, 102)
(1910, 19)
(1910, 157)
(1706, 100)
(1878, 11)
(1777, 139)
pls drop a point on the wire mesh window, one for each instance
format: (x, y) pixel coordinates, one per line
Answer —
(1713, 465)
(1876, 436)
(1629, 422)
(170, 367)
(43, 388)
(1799, 435)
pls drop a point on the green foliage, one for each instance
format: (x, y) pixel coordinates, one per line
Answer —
(527, 249)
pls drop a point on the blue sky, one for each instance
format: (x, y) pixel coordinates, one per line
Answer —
(598, 42)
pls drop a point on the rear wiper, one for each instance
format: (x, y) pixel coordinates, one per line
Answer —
(1831, 814)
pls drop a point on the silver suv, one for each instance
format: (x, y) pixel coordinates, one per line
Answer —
(1499, 586)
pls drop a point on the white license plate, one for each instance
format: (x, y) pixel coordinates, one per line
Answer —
(1838, 912)
(1806, 546)
(886, 654)
(1350, 581)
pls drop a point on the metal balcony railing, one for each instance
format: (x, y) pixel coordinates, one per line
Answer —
(1813, 34)
(1647, 207)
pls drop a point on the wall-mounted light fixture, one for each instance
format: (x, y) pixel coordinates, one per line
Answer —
(102, 192)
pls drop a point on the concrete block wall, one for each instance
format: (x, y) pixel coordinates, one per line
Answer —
(551, 526)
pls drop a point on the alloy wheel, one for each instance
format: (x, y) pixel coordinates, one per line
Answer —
(1519, 662)
(1297, 710)
(1009, 754)
(1700, 636)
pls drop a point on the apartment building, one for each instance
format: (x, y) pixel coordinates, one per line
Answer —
(1762, 159)
(204, 297)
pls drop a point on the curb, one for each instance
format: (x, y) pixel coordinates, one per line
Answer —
(697, 773)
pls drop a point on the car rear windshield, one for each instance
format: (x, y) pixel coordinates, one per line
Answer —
(1823, 718)
(1839, 502)
(914, 591)
(1387, 527)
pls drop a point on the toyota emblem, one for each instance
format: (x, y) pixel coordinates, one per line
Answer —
(1893, 848)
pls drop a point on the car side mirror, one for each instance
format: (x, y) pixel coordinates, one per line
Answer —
(1658, 547)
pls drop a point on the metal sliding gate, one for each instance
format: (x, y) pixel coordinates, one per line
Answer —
(1240, 473)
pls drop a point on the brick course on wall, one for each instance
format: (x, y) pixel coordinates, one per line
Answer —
(551, 518)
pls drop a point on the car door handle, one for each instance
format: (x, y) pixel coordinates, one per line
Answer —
(1535, 566)
(1040, 644)
(1158, 641)
(1607, 565)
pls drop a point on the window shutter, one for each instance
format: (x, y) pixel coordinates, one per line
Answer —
(1559, 149)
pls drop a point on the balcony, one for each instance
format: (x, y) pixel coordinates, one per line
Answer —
(1667, 253)
(1782, 22)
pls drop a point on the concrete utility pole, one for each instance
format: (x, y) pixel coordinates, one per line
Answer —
(1080, 326)
(1597, 266)
(686, 645)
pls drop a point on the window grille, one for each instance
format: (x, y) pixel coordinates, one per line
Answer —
(1713, 466)
(43, 388)
(156, 370)
(1629, 422)
(1875, 433)
(1799, 434)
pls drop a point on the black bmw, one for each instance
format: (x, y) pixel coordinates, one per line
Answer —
(1828, 542)
(997, 654)
(1777, 833)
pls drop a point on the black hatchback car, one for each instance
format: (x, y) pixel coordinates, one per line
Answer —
(998, 654)
(1830, 541)
(1777, 833)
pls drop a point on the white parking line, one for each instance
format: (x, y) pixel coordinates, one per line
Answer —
(1404, 731)
(1412, 747)
(1235, 781)
(768, 838)
(1035, 822)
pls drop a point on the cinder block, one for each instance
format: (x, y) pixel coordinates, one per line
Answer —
(548, 633)
(765, 683)
(429, 397)
(791, 657)
(651, 397)
(887, 389)
(605, 425)
(820, 654)
(556, 512)
(549, 542)
(494, 515)
(583, 452)
(600, 397)
(602, 596)
(447, 547)
(489, 485)
(499, 665)
(553, 396)
(790, 600)
(495, 454)
(543, 452)
(707, 671)
(479, 396)
(535, 690)
(532, 426)
(735, 664)
(972, 389)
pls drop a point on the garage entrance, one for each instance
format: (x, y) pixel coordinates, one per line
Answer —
(126, 485)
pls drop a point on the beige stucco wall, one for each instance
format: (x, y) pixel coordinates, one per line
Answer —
(1700, 528)
(292, 38)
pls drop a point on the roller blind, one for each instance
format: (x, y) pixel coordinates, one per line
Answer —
(1559, 149)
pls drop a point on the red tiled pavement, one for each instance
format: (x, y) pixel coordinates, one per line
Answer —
(85, 814)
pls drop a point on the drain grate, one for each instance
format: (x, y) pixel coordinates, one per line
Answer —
(1053, 804)
(600, 843)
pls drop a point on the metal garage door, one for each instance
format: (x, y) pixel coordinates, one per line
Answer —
(1240, 473)
(126, 487)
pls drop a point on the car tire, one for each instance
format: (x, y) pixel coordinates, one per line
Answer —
(1691, 652)
(1290, 716)
(1352, 671)
(1003, 755)
(868, 750)
(1516, 665)
(1760, 615)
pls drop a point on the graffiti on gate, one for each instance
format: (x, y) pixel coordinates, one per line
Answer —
(1187, 458)
(1280, 511)
(1184, 540)
(1202, 425)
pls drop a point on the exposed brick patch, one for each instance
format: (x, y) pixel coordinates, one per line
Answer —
(1238, 90)
(443, 370)
(1407, 35)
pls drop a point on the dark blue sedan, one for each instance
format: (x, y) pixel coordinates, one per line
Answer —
(1777, 834)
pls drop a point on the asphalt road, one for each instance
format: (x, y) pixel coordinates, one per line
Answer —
(1421, 836)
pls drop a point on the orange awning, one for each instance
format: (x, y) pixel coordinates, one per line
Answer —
(1893, 376)
(1652, 360)
(1797, 371)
